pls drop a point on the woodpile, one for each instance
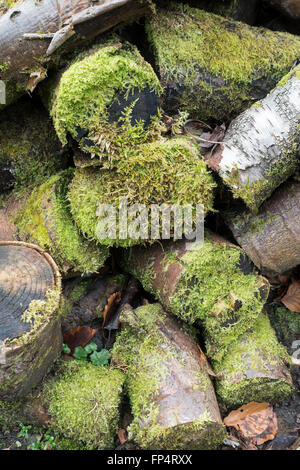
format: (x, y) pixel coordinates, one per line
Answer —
(149, 221)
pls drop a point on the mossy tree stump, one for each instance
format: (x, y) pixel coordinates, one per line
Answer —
(198, 56)
(171, 394)
(30, 329)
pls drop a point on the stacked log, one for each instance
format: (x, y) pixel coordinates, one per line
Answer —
(171, 394)
(198, 58)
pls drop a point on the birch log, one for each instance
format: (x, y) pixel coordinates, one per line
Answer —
(171, 394)
(261, 146)
(25, 54)
(271, 237)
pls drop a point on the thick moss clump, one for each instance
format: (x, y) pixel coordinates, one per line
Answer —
(213, 67)
(254, 369)
(45, 220)
(148, 345)
(167, 172)
(29, 146)
(285, 323)
(84, 404)
(97, 99)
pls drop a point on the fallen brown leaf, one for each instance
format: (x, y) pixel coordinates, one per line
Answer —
(255, 422)
(79, 336)
(123, 436)
(291, 299)
(112, 304)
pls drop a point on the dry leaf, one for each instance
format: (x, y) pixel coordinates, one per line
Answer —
(123, 436)
(291, 300)
(35, 78)
(79, 336)
(111, 306)
(255, 422)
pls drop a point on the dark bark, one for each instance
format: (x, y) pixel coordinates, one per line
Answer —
(290, 8)
(72, 22)
(29, 349)
(271, 238)
(241, 10)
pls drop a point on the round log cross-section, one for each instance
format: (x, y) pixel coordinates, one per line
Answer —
(30, 333)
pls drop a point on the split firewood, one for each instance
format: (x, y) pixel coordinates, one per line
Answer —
(107, 99)
(30, 330)
(198, 55)
(261, 146)
(149, 174)
(291, 8)
(171, 394)
(61, 25)
(271, 237)
(214, 285)
(44, 218)
(29, 148)
(255, 368)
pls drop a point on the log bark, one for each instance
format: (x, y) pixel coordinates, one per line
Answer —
(254, 369)
(198, 57)
(29, 282)
(172, 397)
(226, 306)
(290, 8)
(261, 148)
(29, 148)
(271, 237)
(71, 22)
(44, 218)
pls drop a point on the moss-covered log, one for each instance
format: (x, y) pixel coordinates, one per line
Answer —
(198, 55)
(291, 8)
(29, 317)
(239, 10)
(148, 174)
(255, 368)
(262, 146)
(214, 285)
(45, 219)
(171, 395)
(29, 148)
(107, 99)
(31, 33)
(86, 299)
(271, 237)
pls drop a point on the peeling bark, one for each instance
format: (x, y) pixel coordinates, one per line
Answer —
(261, 146)
(78, 20)
(271, 238)
(172, 396)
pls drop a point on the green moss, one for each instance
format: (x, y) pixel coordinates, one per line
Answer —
(295, 72)
(84, 404)
(45, 219)
(89, 87)
(259, 351)
(139, 347)
(6, 4)
(29, 145)
(285, 323)
(167, 172)
(216, 62)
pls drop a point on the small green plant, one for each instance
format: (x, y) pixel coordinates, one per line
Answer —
(89, 352)
(24, 431)
(66, 348)
(45, 442)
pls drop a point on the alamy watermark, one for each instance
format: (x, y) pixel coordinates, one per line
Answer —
(2, 92)
(158, 222)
